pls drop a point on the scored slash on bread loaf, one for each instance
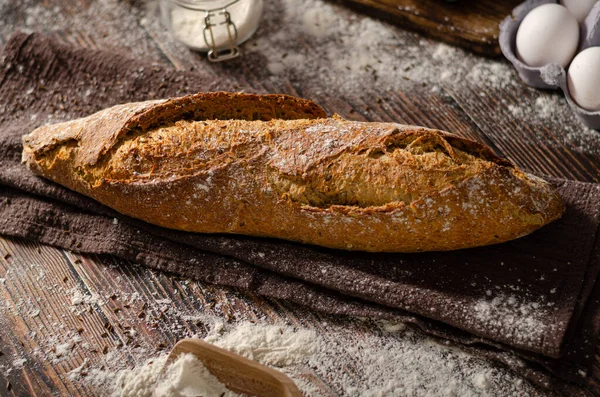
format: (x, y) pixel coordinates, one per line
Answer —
(275, 166)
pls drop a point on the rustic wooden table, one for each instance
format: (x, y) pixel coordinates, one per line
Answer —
(74, 308)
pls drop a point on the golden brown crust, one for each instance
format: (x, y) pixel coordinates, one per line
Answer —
(200, 164)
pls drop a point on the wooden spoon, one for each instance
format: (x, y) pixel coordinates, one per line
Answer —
(237, 373)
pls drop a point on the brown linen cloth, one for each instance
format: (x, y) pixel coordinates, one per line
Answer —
(530, 296)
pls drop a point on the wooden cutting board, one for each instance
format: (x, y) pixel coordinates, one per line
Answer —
(472, 24)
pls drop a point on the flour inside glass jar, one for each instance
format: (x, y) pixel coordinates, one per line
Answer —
(216, 27)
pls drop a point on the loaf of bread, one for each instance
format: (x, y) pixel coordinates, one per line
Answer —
(275, 166)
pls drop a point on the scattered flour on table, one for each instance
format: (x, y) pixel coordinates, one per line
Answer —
(331, 46)
(18, 363)
(394, 362)
(267, 344)
(325, 44)
(76, 373)
(551, 110)
(78, 297)
(352, 357)
(547, 106)
(62, 349)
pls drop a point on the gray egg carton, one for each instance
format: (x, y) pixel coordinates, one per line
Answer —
(551, 76)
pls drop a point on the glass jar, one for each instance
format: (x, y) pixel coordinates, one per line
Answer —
(216, 27)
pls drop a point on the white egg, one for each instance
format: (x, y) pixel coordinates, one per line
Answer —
(583, 79)
(548, 34)
(579, 8)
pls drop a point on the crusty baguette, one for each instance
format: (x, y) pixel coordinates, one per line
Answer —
(274, 166)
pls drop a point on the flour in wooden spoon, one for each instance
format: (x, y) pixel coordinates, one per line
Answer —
(184, 377)
(187, 376)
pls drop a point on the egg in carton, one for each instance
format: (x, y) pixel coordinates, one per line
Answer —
(552, 75)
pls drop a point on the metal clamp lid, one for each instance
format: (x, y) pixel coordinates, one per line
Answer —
(220, 54)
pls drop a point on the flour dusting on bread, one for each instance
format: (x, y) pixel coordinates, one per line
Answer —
(275, 166)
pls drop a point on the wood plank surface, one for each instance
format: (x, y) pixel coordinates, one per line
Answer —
(97, 307)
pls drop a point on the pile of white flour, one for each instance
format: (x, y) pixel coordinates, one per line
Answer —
(184, 377)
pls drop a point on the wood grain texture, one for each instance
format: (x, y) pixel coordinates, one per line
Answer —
(469, 24)
(45, 278)
(115, 318)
